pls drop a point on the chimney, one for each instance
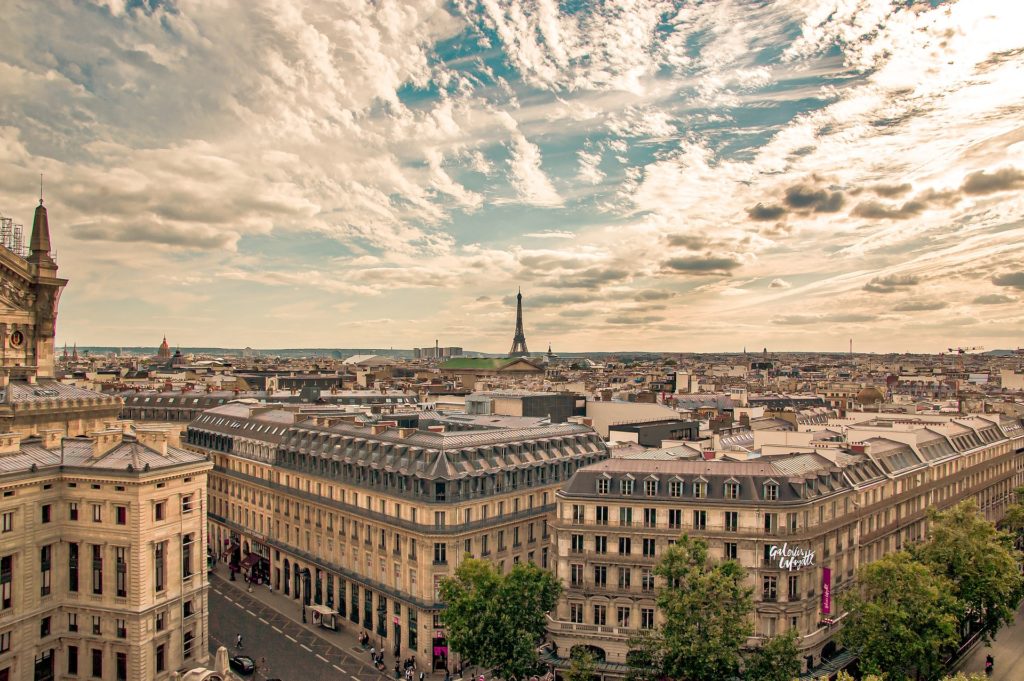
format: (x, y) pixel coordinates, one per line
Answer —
(709, 455)
(154, 438)
(378, 428)
(10, 443)
(51, 438)
(406, 432)
(104, 440)
(436, 429)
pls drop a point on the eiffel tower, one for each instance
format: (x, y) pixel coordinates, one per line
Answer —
(519, 340)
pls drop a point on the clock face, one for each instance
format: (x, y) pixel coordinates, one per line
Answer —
(17, 339)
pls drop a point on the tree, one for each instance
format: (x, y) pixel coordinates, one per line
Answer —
(581, 665)
(496, 621)
(902, 618)
(960, 676)
(981, 563)
(705, 605)
(776, 660)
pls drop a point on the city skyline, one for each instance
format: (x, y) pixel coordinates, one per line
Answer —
(666, 178)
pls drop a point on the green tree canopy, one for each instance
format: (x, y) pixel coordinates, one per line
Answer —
(581, 665)
(979, 560)
(902, 618)
(777, 659)
(496, 621)
(705, 605)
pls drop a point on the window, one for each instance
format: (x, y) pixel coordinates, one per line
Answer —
(160, 565)
(700, 520)
(646, 580)
(791, 521)
(97, 513)
(646, 618)
(44, 627)
(97, 625)
(600, 576)
(45, 556)
(732, 490)
(161, 658)
(577, 514)
(625, 516)
(625, 546)
(600, 614)
(186, 645)
(186, 555)
(650, 517)
(601, 515)
(622, 616)
(73, 567)
(187, 609)
(600, 544)
(732, 521)
(72, 511)
(649, 547)
(97, 663)
(675, 488)
(97, 569)
(576, 543)
(186, 503)
(602, 485)
(576, 613)
(121, 515)
(769, 588)
(73, 660)
(625, 578)
(626, 486)
(6, 577)
(161, 621)
(576, 575)
(45, 509)
(158, 510)
(700, 489)
(675, 518)
(121, 571)
(440, 553)
(730, 550)
(8, 521)
(771, 491)
(5, 642)
(122, 667)
(651, 487)
(122, 628)
(72, 621)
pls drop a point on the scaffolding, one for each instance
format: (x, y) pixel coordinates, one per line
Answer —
(12, 236)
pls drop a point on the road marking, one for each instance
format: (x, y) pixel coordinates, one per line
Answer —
(276, 629)
(290, 638)
(229, 599)
(264, 621)
(322, 658)
(239, 606)
(338, 668)
(305, 647)
(250, 612)
(353, 678)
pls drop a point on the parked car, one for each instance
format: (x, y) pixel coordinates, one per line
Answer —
(243, 664)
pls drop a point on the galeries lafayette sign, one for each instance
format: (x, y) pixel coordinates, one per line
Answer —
(791, 557)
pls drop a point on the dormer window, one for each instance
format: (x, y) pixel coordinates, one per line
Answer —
(626, 486)
(700, 489)
(675, 488)
(602, 485)
(771, 491)
(732, 490)
(651, 487)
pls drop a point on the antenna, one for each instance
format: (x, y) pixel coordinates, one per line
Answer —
(40, 189)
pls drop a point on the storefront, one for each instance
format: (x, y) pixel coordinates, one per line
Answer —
(440, 648)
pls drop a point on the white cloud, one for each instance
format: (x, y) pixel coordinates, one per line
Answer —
(527, 177)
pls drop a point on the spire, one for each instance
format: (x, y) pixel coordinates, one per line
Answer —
(40, 243)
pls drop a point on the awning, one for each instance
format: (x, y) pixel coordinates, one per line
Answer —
(250, 560)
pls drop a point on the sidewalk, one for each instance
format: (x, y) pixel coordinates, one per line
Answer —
(343, 639)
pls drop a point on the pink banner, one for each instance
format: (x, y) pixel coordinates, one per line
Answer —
(826, 591)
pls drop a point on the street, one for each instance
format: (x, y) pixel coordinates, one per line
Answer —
(1008, 651)
(292, 652)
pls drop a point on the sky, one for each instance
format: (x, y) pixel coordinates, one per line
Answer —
(663, 176)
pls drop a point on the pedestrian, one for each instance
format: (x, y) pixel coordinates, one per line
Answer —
(373, 654)
(421, 676)
(238, 641)
(447, 675)
(398, 672)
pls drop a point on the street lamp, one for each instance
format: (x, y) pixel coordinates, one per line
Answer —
(304, 590)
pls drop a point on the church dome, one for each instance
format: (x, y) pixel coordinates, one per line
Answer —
(870, 395)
